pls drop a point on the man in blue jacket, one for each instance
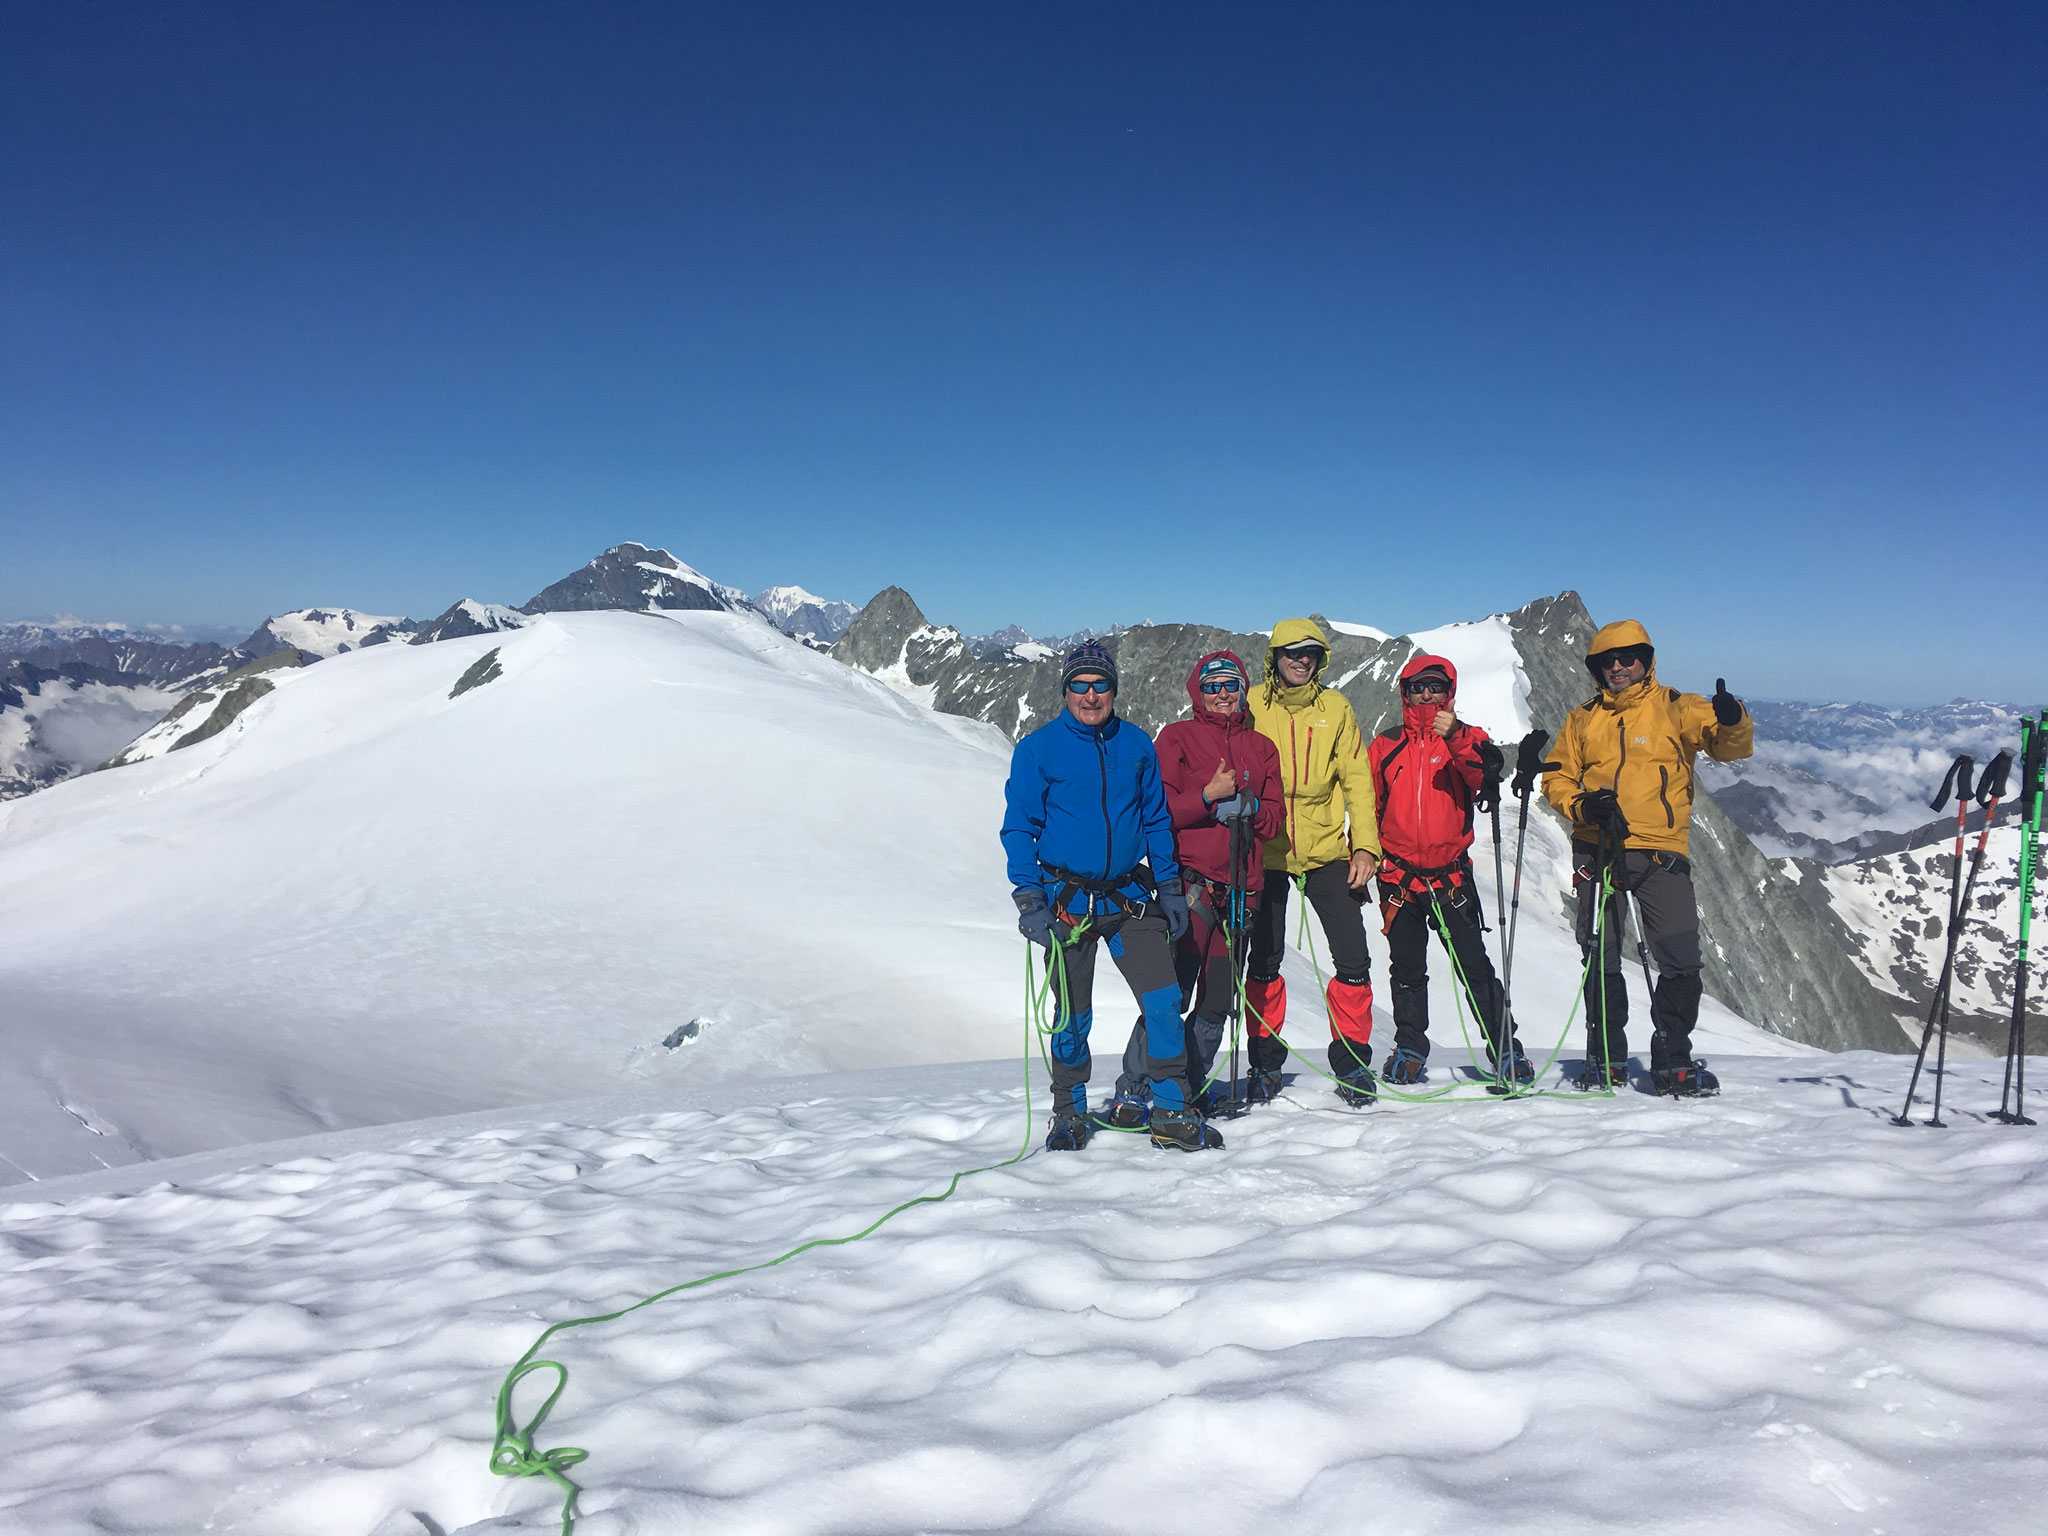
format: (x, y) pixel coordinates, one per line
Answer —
(1083, 812)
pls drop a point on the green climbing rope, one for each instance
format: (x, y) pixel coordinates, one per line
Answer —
(513, 1453)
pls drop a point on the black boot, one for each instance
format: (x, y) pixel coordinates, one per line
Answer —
(1358, 1087)
(1182, 1130)
(1691, 1081)
(1069, 1133)
(1261, 1087)
(1603, 1076)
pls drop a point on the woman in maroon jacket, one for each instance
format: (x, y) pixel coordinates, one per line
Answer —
(1427, 777)
(1218, 772)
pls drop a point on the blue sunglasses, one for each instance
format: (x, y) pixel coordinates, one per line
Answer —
(1091, 685)
(1223, 685)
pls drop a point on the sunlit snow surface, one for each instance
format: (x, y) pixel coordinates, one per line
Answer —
(1773, 1312)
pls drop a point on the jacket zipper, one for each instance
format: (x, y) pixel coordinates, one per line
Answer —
(1663, 786)
(1108, 833)
(1294, 762)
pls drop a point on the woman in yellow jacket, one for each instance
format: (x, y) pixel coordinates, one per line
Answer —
(1624, 768)
(1330, 839)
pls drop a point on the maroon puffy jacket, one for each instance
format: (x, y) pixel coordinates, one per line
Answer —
(1189, 751)
(1424, 783)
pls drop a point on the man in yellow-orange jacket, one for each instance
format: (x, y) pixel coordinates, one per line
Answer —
(1624, 775)
(1330, 839)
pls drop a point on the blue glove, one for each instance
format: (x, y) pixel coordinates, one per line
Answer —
(1034, 917)
(1239, 807)
(1173, 906)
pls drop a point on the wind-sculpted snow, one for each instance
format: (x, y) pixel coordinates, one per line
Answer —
(1774, 1312)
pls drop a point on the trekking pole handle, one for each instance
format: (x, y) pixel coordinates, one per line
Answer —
(1991, 782)
(1957, 779)
(1529, 763)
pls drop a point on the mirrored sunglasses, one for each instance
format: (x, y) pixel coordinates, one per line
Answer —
(1427, 686)
(1223, 685)
(1091, 685)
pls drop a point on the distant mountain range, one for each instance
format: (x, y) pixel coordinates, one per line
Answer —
(1830, 784)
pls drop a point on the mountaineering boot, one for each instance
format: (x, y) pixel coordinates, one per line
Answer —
(1129, 1114)
(1182, 1130)
(1510, 1072)
(1069, 1133)
(1261, 1087)
(1603, 1076)
(1404, 1069)
(1691, 1081)
(1357, 1086)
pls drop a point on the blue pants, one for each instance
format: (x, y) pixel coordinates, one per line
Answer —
(1142, 951)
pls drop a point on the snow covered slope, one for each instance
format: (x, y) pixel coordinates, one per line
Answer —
(1774, 1313)
(367, 901)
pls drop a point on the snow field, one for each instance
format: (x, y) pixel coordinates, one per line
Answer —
(368, 902)
(1773, 1312)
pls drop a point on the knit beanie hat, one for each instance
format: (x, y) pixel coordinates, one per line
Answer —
(1219, 666)
(1088, 656)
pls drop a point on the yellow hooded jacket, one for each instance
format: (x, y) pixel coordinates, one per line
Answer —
(1640, 743)
(1322, 758)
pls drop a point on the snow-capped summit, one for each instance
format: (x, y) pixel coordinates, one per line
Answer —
(632, 576)
(805, 616)
(324, 632)
(468, 617)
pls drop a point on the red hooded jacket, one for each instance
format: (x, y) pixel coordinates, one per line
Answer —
(1189, 751)
(1423, 782)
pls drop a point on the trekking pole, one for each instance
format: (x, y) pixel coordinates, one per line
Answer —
(1240, 875)
(1528, 763)
(2033, 766)
(1990, 789)
(1957, 779)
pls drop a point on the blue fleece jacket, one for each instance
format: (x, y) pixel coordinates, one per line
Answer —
(1087, 799)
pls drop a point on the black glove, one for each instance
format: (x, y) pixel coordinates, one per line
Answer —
(1491, 762)
(1727, 707)
(1599, 808)
(1529, 763)
(1034, 917)
(1173, 906)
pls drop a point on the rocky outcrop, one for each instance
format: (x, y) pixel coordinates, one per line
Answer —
(468, 617)
(208, 711)
(633, 576)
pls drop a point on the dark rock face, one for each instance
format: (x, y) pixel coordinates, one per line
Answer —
(1551, 636)
(633, 576)
(1774, 953)
(484, 669)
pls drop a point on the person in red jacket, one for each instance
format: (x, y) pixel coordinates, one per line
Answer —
(1220, 774)
(1428, 776)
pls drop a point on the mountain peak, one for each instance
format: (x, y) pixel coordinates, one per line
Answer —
(632, 576)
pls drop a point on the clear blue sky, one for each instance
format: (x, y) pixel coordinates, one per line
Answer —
(1728, 315)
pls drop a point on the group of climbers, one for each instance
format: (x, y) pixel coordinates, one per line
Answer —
(1179, 858)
